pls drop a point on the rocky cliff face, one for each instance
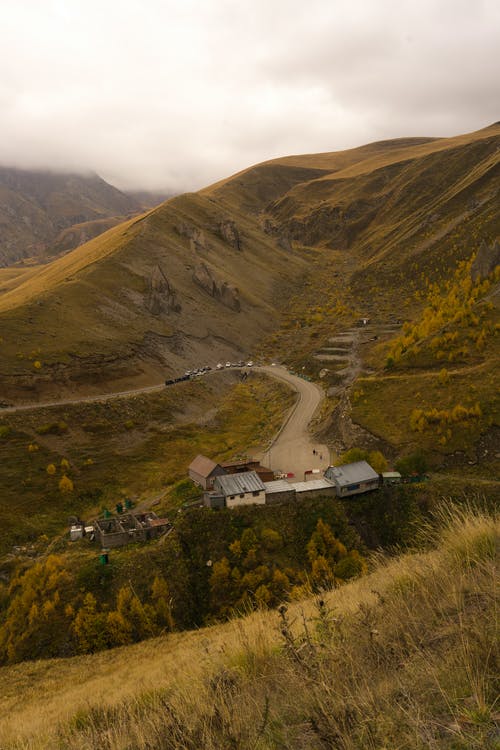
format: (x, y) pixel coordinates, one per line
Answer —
(487, 259)
(217, 288)
(230, 234)
(196, 236)
(162, 298)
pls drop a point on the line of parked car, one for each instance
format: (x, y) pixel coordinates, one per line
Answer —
(197, 372)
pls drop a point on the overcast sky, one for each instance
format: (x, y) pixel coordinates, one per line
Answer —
(175, 94)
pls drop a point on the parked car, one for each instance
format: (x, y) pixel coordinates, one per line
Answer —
(228, 364)
(250, 364)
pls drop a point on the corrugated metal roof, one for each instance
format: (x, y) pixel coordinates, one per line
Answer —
(236, 484)
(313, 484)
(277, 485)
(359, 471)
(202, 465)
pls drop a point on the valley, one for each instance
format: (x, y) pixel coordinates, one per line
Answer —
(273, 264)
(365, 281)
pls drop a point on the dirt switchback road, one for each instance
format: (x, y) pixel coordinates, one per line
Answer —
(292, 449)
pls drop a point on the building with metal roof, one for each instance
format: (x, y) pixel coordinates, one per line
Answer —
(314, 488)
(203, 470)
(244, 488)
(279, 491)
(352, 479)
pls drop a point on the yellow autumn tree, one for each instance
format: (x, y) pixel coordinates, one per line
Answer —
(65, 485)
(162, 603)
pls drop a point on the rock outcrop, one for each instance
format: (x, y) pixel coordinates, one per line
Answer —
(486, 260)
(196, 236)
(283, 240)
(162, 298)
(217, 288)
(230, 233)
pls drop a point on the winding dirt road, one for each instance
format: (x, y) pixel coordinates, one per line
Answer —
(292, 448)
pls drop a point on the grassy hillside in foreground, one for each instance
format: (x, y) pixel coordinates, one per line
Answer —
(406, 657)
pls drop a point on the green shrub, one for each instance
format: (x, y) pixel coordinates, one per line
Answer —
(52, 428)
(414, 463)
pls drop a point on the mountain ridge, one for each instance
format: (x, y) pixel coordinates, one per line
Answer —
(43, 213)
(374, 214)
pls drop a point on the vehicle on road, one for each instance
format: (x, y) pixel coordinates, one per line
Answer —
(250, 364)
(219, 366)
(228, 364)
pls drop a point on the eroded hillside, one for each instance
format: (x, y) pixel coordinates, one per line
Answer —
(298, 245)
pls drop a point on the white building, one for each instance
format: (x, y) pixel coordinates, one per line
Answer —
(245, 488)
(352, 479)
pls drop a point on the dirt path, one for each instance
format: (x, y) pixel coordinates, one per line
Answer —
(292, 449)
(83, 399)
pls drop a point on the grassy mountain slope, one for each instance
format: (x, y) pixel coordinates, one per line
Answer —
(406, 657)
(36, 207)
(386, 236)
(310, 242)
(129, 296)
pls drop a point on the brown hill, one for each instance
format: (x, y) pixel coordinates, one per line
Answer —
(206, 275)
(37, 207)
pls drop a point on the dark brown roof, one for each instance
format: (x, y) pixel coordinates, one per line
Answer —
(159, 522)
(239, 462)
(202, 465)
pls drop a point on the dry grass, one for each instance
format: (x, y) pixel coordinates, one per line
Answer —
(366, 158)
(405, 658)
(52, 275)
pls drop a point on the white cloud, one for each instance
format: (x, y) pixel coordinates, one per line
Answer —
(169, 94)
